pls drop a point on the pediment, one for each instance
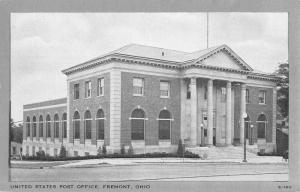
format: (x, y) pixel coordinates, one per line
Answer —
(224, 57)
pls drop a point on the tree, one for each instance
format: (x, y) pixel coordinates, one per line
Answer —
(283, 89)
(63, 152)
(123, 149)
(16, 132)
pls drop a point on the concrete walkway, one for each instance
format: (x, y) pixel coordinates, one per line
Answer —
(135, 161)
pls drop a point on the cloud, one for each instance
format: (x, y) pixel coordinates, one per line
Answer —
(43, 44)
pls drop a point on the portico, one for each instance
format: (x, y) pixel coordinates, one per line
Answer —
(209, 106)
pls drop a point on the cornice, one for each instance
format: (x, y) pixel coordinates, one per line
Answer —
(165, 64)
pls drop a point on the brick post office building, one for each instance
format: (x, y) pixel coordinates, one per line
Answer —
(152, 97)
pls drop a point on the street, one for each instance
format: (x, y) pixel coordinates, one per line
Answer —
(158, 172)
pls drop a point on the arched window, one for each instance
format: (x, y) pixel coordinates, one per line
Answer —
(164, 125)
(56, 126)
(48, 126)
(100, 124)
(28, 126)
(247, 126)
(34, 126)
(41, 128)
(64, 124)
(88, 124)
(261, 126)
(76, 125)
(137, 124)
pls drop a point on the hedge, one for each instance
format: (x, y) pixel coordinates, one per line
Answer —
(187, 154)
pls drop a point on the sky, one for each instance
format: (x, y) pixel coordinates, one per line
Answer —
(43, 44)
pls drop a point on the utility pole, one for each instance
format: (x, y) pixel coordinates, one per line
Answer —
(207, 36)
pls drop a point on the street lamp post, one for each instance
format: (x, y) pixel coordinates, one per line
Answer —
(201, 135)
(244, 160)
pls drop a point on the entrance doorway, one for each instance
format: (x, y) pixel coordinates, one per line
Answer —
(204, 121)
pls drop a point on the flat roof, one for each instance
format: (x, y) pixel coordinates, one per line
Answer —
(46, 103)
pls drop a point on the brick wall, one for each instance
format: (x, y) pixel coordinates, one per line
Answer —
(92, 104)
(152, 104)
(254, 109)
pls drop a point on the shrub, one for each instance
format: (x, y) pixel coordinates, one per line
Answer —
(123, 149)
(99, 151)
(104, 149)
(63, 152)
(40, 155)
(130, 150)
(180, 150)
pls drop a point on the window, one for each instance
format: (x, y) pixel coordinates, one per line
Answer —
(137, 124)
(138, 86)
(41, 128)
(88, 124)
(262, 97)
(188, 91)
(261, 126)
(56, 126)
(28, 126)
(75, 153)
(223, 94)
(14, 150)
(205, 92)
(64, 125)
(88, 89)
(76, 91)
(76, 125)
(100, 87)
(34, 126)
(247, 96)
(100, 124)
(164, 125)
(164, 89)
(48, 126)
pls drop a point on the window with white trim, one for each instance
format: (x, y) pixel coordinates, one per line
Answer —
(138, 86)
(262, 97)
(56, 126)
(137, 124)
(64, 125)
(164, 125)
(41, 127)
(34, 126)
(88, 124)
(261, 126)
(76, 125)
(164, 89)
(28, 126)
(88, 89)
(100, 124)
(76, 91)
(100, 87)
(48, 126)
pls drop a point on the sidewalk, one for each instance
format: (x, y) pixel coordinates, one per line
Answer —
(136, 161)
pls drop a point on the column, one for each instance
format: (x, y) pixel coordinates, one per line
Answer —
(210, 113)
(193, 89)
(228, 113)
(242, 112)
